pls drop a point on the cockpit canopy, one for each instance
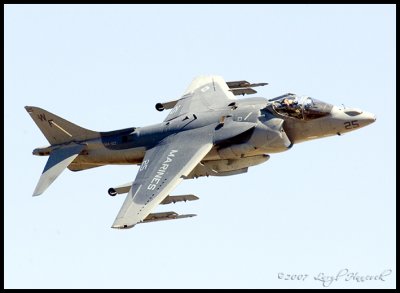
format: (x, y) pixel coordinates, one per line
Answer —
(305, 108)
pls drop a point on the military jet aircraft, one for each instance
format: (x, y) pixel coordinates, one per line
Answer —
(208, 132)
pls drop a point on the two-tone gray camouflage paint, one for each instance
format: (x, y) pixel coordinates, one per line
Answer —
(208, 132)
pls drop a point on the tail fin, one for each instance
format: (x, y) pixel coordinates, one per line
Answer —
(64, 138)
(58, 130)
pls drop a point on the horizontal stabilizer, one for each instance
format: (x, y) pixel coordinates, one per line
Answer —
(177, 198)
(59, 160)
(165, 216)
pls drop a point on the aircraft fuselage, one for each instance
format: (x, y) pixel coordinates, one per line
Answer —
(272, 133)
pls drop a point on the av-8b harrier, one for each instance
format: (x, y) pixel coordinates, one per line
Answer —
(208, 132)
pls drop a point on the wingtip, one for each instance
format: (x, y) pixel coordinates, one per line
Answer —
(39, 189)
(37, 192)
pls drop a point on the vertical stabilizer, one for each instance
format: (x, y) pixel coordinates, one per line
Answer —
(58, 130)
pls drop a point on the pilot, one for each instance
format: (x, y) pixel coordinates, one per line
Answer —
(289, 104)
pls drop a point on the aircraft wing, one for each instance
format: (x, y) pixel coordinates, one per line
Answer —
(163, 168)
(203, 94)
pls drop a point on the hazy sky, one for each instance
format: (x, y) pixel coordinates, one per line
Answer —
(323, 207)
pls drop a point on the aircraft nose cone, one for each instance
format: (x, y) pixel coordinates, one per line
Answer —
(369, 118)
(366, 118)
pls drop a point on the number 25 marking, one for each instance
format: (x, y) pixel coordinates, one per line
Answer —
(144, 165)
(351, 124)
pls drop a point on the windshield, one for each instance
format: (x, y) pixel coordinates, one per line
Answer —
(305, 108)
